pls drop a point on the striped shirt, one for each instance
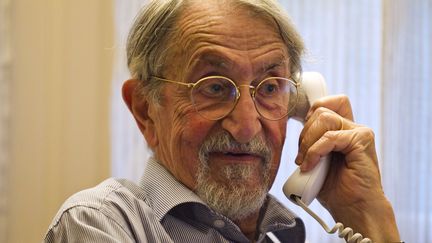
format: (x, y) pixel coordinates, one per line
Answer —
(159, 209)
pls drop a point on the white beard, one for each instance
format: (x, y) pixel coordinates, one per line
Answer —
(233, 197)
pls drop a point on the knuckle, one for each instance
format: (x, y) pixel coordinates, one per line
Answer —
(364, 138)
(345, 101)
(325, 117)
(320, 110)
(367, 133)
(329, 119)
(345, 107)
(330, 136)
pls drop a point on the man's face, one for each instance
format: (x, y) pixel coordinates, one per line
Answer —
(230, 163)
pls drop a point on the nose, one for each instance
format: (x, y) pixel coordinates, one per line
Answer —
(243, 123)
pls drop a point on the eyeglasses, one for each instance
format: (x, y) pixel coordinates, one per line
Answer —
(215, 97)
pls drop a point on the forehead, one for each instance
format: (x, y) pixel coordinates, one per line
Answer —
(223, 35)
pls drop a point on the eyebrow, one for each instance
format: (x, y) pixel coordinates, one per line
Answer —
(279, 62)
(214, 60)
(221, 62)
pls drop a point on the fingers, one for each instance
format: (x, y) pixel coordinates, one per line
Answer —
(329, 127)
(324, 119)
(338, 141)
(340, 104)
(355, 144)
(321, 121)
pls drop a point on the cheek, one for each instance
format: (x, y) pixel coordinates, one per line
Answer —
(195, 131)
(186, 119)
(172, 126)
(181, 124)
(189, 130)
(275, 132)
(189, 125)
(276, 135)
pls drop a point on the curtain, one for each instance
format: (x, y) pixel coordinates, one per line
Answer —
(406, 120)
(5, 77)
(376, 52)
(129, 150)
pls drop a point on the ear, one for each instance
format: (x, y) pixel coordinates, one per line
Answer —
(140, 109)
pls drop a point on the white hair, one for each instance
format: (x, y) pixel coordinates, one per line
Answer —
(154, 28)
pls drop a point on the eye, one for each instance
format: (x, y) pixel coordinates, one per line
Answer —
(214, 88)
(269, 88)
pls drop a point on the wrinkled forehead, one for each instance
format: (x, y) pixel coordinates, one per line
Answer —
(224, 34)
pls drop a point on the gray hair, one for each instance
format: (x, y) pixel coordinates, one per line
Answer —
(149, 39)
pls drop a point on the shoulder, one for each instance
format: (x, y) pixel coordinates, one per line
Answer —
(98, 198)
(113, 207)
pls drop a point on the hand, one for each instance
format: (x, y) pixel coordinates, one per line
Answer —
(352, 191)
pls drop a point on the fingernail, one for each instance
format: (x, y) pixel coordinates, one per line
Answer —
(299, 159)
(304, 167)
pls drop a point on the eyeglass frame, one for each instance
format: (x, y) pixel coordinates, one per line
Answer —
(238, 93)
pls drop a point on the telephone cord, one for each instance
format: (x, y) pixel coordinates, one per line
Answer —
(346, 233)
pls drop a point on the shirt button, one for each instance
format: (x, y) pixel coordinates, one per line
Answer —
(218, 223)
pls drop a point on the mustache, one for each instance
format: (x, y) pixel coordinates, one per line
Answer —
(224, 142)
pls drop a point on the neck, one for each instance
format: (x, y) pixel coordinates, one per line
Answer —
(248, 226)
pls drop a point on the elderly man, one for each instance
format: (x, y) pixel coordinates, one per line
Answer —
(213, 84)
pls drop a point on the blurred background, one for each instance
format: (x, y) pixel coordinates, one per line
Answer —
(56, 62)
(64, 127)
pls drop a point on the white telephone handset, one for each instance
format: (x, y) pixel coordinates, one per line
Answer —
(303, 187)
(306, 185)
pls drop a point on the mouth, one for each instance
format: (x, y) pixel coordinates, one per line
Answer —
(235, 157)
(235, 153)
(221, 148)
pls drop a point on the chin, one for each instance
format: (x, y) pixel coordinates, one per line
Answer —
(237, 192)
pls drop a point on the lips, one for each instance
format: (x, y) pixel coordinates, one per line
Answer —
(222, 146)
(235, 157)
(235, 154)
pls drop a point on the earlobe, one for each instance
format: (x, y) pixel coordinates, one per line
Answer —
(139, 107)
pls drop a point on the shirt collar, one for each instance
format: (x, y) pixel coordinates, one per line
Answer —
(276, 216)
(163, 193)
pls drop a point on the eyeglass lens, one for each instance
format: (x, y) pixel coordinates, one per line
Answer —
(216, 97)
